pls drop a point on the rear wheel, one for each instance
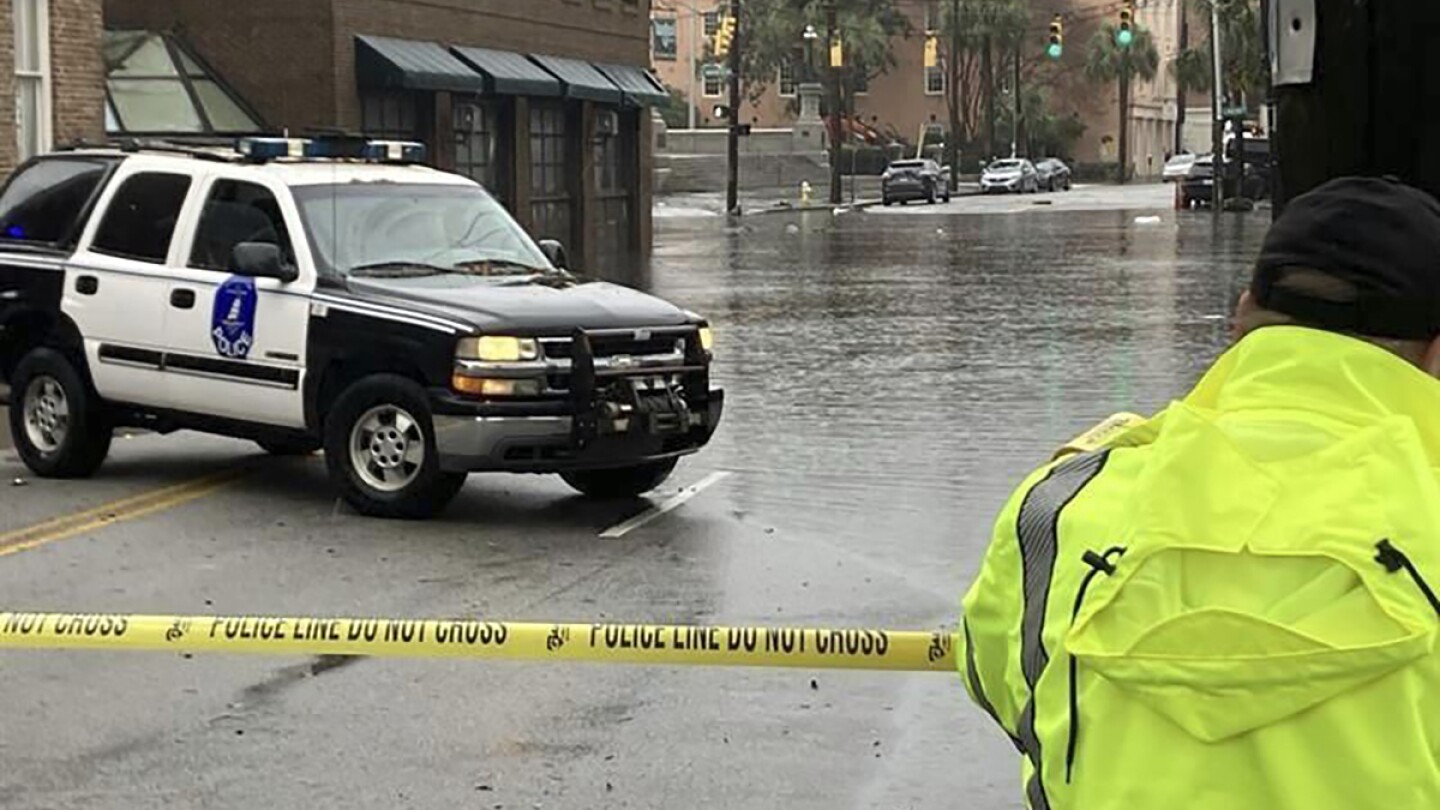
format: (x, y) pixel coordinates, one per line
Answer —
(59, 424)
(620, 482)
(380, 450)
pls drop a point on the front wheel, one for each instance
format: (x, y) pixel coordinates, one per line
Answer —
(620, 482)
(380, 450)
(58, 423)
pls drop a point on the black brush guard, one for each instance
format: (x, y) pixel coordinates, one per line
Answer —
(608, 405)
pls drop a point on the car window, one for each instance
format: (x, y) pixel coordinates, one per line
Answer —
(238, 212)
(141, 218)
(907, 164)
(45, 201)
(1005, 164)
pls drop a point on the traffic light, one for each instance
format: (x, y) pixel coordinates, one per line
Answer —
(1057, 38)
(1125, 34)
(932, 51)
(724, 35)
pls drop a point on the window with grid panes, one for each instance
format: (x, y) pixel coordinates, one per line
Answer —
(477, 135)
(613, 157)
(549, 172)
(934, 81)
(390, 115)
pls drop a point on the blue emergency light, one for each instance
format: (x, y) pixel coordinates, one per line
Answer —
(335, 148)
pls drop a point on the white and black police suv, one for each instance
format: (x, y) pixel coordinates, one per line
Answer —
(330, 293)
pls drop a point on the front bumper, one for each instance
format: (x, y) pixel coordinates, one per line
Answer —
(1000, 185)
(602, 409)
(552, 443)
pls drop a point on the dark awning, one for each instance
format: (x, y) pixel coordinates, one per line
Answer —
(508, 73)
(581, 79)
(382, 62)
(640, 88)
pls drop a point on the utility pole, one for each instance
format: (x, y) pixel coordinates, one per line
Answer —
(694, 65)
(832, 98)
(1180, 88)
(1217, 122)
(952, 88)
(987, 75)
(732, 186)
(1015, 128)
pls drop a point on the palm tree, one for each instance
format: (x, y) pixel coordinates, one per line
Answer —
(1107, 60)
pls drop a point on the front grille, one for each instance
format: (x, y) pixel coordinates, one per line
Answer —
(604, 346)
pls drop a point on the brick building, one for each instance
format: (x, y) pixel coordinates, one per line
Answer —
(910, 95)
(53, 87)
(546, 102)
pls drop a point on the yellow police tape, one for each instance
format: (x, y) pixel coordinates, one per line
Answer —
(662, 645)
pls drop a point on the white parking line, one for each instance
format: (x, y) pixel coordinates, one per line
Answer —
(670, 504)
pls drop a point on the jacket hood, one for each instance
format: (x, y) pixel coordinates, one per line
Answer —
(1249, 590)
(531, 308)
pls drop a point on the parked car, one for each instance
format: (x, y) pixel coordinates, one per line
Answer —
(1011, 174)
(1054, 174)
(906, 180)
(1196, 186)
(1177, 167)
(340, 297)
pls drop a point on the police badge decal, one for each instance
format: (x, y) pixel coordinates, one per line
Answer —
(232, 322)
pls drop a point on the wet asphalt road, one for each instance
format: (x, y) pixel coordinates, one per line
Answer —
(890, 375)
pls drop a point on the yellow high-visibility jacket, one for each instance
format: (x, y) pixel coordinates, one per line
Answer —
(1230, 605)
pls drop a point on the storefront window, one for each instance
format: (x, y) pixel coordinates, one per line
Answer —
(390, 115)
(549, 172)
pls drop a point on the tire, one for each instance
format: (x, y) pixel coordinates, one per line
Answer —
(380, 450)
(289, 447)
(620, 482)
(887, 202)
(57, 420)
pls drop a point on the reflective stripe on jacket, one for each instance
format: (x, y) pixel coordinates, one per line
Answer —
(1231, 606)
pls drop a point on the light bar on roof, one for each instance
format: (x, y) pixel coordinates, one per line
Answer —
(335, 148)
(398, 151)
(270, 148)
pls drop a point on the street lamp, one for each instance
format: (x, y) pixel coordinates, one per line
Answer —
(810, 36)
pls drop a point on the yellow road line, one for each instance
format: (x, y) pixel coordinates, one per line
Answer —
(118, 511)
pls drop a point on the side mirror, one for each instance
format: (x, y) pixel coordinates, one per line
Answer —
(555, 252)
(262, 260)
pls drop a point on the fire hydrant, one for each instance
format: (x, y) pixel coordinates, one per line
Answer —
(805, 192)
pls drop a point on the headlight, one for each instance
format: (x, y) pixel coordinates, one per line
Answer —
(497, 349)
(707, 338)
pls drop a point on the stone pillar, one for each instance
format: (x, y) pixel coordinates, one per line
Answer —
(809, 132)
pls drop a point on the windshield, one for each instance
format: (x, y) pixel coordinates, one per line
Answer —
(1005, 165)
(414, 229)
(907, 164)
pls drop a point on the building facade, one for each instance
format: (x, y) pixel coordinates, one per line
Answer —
(545, 102)
(910, 95)
(53, 87)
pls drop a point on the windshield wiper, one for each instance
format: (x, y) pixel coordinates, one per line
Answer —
(399, 269)
(487, 265)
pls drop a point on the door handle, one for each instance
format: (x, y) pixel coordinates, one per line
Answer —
(87, 285)
(182, 299)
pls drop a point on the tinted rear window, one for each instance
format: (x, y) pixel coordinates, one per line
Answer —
(142, 215)
(44, 201)
(907, 164)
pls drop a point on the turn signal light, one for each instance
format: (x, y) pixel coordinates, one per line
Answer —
(490, 387)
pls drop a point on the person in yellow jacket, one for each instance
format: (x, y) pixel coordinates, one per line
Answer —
(1230, 605)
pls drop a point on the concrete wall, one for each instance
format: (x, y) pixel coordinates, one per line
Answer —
(676, 174)
(716, 142)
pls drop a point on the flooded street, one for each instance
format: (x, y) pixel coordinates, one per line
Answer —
(890, 377)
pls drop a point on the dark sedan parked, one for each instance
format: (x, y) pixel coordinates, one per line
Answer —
(906, 180)
(1054, 174)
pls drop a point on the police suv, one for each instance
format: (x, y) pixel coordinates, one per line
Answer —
(334, 294)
